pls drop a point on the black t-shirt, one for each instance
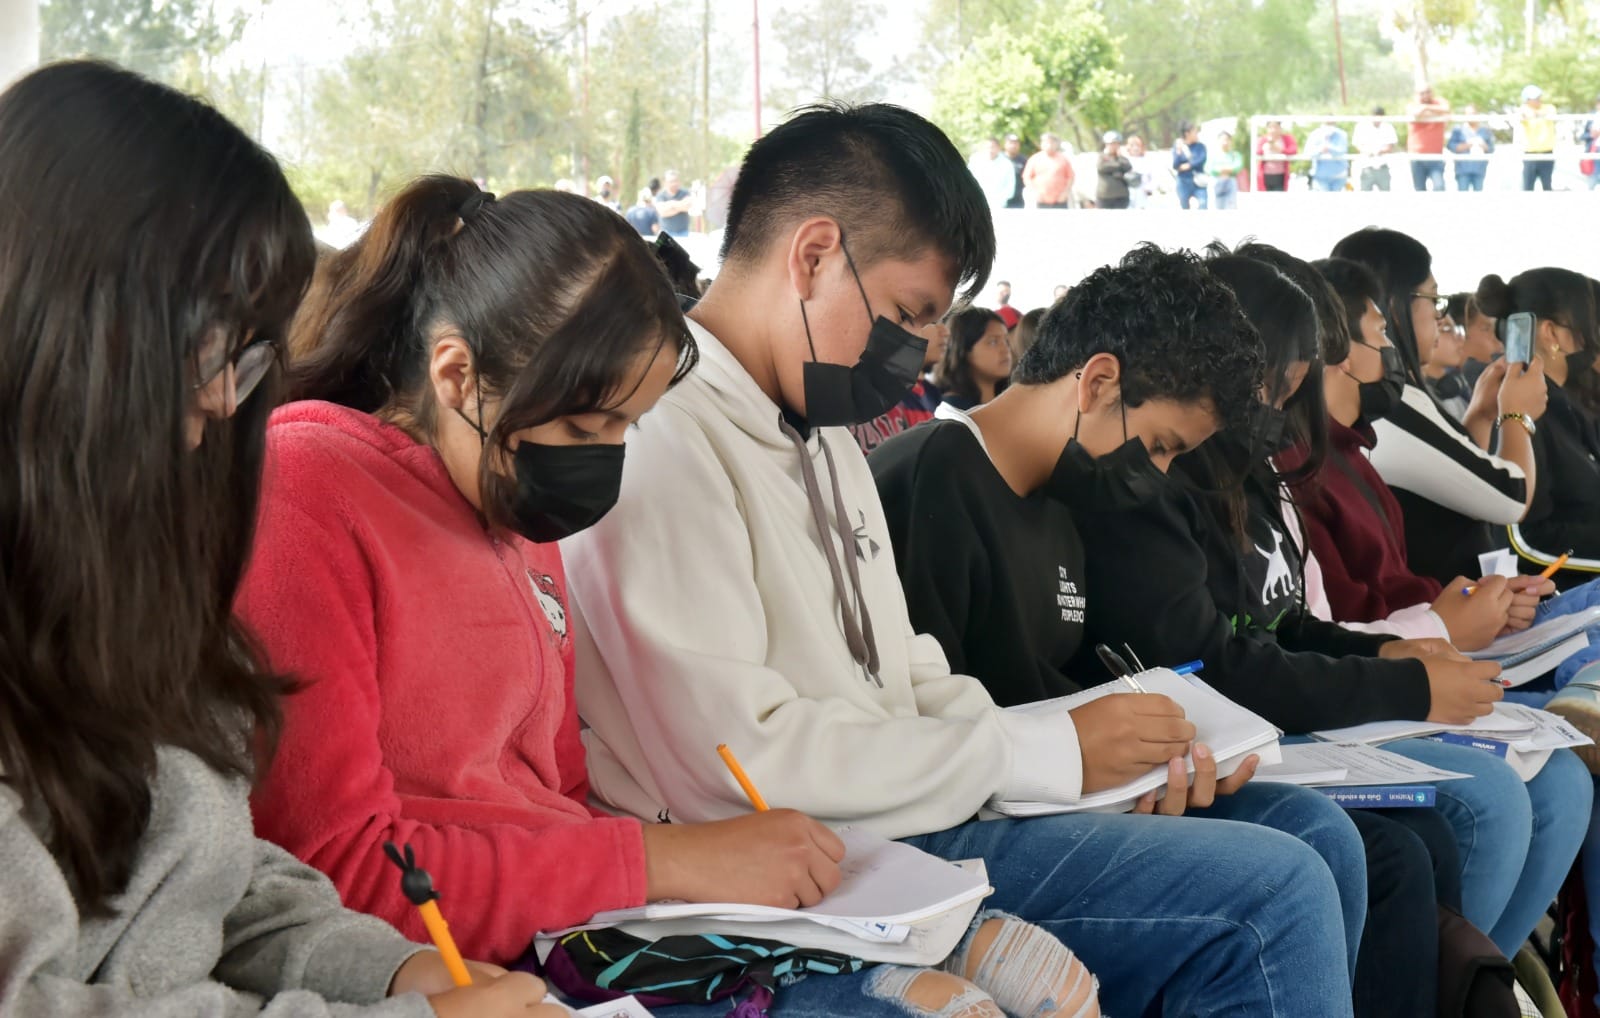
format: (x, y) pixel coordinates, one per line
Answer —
(995, 577)
(1019, 162)
(1566, 490)
(1176, 587)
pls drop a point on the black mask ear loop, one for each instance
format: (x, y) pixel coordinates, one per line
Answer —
(806, 322)
(483, 435)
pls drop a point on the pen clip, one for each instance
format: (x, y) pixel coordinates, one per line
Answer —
(1133, 657)
(1113, 661)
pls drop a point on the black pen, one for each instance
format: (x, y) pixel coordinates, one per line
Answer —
(1118, 667)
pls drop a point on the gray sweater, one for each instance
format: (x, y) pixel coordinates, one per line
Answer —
(213, 923)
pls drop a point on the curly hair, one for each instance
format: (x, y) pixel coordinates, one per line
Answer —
(1177, 331)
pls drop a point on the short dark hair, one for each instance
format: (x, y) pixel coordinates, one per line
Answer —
(1177, 331)
(892, 180)
(1355, 285)
(1401, 263)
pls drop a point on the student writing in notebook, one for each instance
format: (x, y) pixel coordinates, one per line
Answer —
(151, 255)
(1121, 379)
(744, 591)
(1232, 595)
(467, 370)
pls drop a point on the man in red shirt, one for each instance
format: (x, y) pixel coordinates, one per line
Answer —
(1048, 175)
(1429, 117)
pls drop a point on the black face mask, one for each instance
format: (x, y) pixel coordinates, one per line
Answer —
(1268, 431)
(1124, 478)
(1378, 399)
(561, 489)
(1580, 360)
(837, 394)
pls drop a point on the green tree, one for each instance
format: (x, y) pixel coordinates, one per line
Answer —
(1064, 73)
(821, 42)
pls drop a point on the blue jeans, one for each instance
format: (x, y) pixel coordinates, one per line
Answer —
(1194, 915)
(1425, 170)
(1517, 839)
(1570, 602)
(1537, 171)
(1226, 193)
(1187, 190)
(1469, 180)
(1328, 183)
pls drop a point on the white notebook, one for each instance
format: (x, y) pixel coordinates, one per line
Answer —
(1231, 732)
(886, 887)
(1515, 648)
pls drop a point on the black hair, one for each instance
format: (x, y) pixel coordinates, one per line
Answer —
(1026, 332)
(953, 374)
(1355, 285)
(1177, 332)
(1561, 296)
(1400, 263)
(1458, 307)
(891, 180)
(1307, 408)
(556, 295)
(140, 225)
(1286, 321)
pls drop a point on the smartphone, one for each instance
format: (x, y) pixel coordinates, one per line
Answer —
(1519, 337)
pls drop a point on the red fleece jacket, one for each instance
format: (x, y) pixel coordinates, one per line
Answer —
(437, 706)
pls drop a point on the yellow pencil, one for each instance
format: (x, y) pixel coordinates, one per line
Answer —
(1556, 565)
(417, 886)
(740, 776)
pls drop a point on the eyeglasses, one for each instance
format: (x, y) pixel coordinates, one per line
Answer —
(1441, 303)
(250, 365)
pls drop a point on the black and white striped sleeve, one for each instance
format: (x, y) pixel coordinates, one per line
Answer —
(1422, 452)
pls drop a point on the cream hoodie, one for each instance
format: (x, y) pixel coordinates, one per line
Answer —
(707, 614)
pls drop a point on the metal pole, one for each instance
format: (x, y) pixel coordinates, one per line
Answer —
(705, 91)
(755, 28)
(1530, 19)
(1338, 42)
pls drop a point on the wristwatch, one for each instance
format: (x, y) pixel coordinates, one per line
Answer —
(1522, 419)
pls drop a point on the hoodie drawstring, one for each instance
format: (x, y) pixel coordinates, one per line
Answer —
(857, 621)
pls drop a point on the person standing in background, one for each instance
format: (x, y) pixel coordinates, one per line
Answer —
(1115, 174)
(995, 174)
(1002, 304)
(1330, 163)
(1139, 190)
(1225, 169)
(1189, 166)
(606, 193)
(1590, 140)
(1273, 173)
(1429, 115)
(1048, 175)
(1538, 138)
(1471, 142)
(643, 216)
(673, 202)
(1375, 139)
(1019, 162)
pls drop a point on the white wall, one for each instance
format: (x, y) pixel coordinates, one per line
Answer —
(1469, 235)
(19, 38)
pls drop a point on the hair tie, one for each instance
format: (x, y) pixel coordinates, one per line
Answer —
(474, 202)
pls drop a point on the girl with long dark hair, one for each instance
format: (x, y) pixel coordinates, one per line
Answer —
(151, 256)
(977, 361)
(1455, 482)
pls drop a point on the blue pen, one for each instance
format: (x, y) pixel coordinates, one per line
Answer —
(1189, 668)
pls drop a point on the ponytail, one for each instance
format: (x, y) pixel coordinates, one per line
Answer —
(358, 340)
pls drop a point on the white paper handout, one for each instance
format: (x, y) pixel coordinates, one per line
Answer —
(1517, 647)
(1500, 724)
(1231, 732)
(1324, 764)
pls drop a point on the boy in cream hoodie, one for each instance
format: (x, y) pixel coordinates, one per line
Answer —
(744, 591)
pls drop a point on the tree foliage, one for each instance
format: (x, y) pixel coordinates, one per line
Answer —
(823, 55)
(1064, 74)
